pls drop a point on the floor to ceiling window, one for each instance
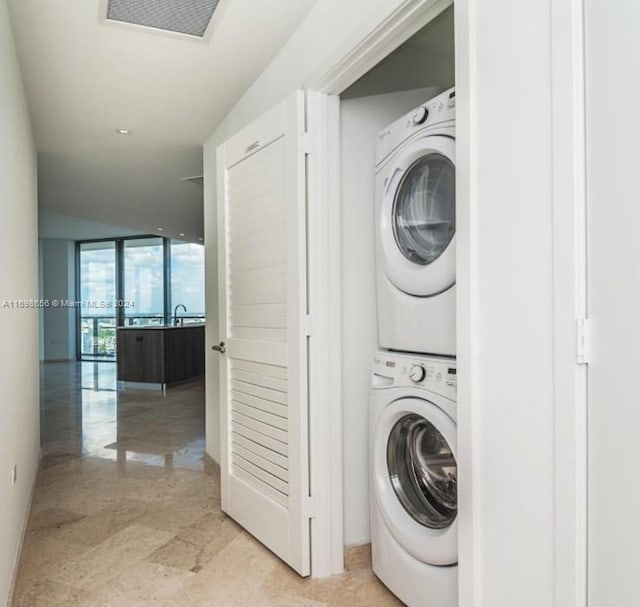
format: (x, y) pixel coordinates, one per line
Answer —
(187, 279)
(97, 321)
(144, 281)
(138, 281)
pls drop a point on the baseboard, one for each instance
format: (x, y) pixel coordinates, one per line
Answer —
(23, 535)
(211, 466)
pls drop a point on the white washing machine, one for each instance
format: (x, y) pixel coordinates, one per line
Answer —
(413, 474)
(416, 230)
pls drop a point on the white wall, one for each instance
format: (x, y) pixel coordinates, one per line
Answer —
(19, 416)
(361, 119)
(58, 282)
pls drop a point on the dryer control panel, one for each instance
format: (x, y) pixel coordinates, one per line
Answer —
(435, 374)
(437, 111)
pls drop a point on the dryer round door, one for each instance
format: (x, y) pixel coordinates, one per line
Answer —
(414, 478)
(418, 217)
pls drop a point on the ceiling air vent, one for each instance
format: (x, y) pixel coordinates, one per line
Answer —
(189, 17)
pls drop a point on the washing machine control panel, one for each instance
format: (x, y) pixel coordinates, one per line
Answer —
(437, 375)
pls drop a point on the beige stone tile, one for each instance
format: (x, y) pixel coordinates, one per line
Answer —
(93, 529)
(196, 545)
(39, 556)
(284, 580)
(49, 594)
(79, 500)
(49, 521)
(372, 591)
(291, 600)
(142, 585)
(234, 577)
(357, 558)
(172, 515)
(109, 559)
(352, 589)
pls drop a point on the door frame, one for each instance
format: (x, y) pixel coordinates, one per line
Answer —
(569, 263)
(568, 148)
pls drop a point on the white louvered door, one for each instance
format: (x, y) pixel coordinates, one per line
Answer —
(263, 317)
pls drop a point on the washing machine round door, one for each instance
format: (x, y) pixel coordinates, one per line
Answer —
(415, 478)
(418, 217)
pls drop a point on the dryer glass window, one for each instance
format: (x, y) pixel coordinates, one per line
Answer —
(424, 209)
(423, 472)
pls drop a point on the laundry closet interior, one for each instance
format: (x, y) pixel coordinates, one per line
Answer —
(416, 72)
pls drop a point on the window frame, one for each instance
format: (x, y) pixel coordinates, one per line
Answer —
(119, 287)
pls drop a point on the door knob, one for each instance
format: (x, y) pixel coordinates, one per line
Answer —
(221, 347)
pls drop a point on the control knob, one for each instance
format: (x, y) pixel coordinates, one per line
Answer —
(420, 115)
(417, 373)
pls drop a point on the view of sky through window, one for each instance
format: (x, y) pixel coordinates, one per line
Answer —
(144, 277)
(187, 277)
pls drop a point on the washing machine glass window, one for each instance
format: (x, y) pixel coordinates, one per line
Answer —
(423, 472)
(424, 210)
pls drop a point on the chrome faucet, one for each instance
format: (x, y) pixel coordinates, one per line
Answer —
(178, 322)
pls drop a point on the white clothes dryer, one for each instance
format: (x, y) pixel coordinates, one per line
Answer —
(413, 476)
(415, 230)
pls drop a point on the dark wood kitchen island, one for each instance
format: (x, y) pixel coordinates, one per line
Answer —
(155, 357)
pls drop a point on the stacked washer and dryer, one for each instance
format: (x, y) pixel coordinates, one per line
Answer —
(413, 383)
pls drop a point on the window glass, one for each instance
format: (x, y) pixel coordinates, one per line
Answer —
(144, 281)
(98, 296)
(187, 279)
(139, 299)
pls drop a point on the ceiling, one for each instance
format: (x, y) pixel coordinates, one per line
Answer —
(85, 78)
(55, 225)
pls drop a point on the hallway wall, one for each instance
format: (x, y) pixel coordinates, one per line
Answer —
(19, 375)
(58, 282)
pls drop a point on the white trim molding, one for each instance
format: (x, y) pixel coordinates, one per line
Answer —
(570, 301)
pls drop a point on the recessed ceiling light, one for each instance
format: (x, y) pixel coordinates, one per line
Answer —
(201, 239)
(181, 233)
(123, 131)
(159, 229)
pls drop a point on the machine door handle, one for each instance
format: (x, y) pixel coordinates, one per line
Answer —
(221, 347)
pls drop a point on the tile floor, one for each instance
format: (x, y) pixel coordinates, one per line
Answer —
(125, 513)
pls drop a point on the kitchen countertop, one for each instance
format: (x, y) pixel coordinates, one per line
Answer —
(162, 327)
